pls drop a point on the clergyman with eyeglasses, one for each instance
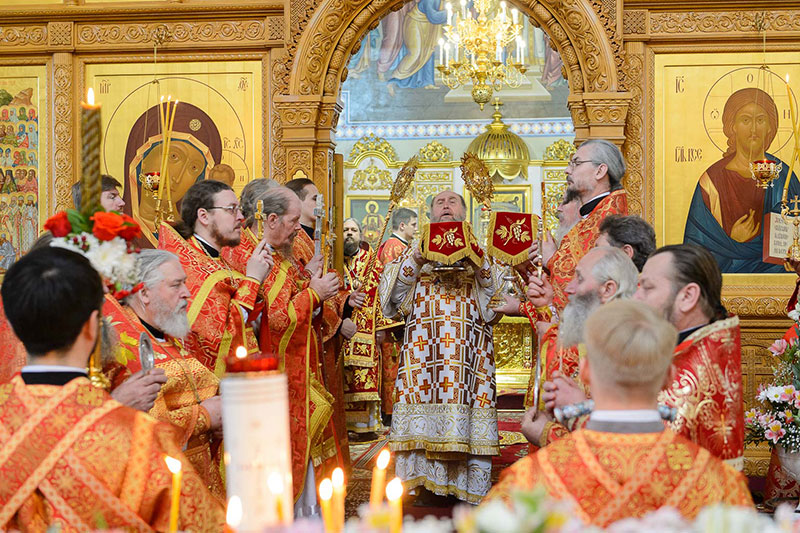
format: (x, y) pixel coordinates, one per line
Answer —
(222, 297)
(595, 174)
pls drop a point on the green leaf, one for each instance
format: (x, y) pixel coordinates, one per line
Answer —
(79, 222)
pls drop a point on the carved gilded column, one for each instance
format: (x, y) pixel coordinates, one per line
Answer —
(63, 170)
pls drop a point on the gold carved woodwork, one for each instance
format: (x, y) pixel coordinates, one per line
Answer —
(372, 178)
(373, 143)
(434, 152)
(723, 21)
(514, 342)
(32, 35)
(59, 34)
(553, 186)
(634, 22)
(63, 171)
(182, 34)
(432, 176)
(561, 150)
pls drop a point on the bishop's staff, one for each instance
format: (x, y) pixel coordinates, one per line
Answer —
(400, 188)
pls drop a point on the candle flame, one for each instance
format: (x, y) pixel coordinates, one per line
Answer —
(787, 77)
(325, 489)
(234, 515)
(275, 483)
(241, 352)
(383, 459)
(337, 478)
(394, 489)
(173, 464)
(90, 96)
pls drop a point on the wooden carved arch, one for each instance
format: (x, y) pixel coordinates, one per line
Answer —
(309, 109)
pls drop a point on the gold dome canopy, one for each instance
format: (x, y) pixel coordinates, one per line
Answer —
(504, 152)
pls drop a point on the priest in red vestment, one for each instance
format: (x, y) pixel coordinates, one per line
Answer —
(595, 172)
(684, 283)
(74, 459)
(624, 463)
(330, 322)
(189, 400)
(287, 330)
(222, 298)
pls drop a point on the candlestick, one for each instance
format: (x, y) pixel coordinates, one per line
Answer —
(325, 494)
(260, 219)
(233, 516)
(275, 484)
(174, 466)
(164, 118)
(337, 479)
(91, 182)
(394, 494)
(378, 480)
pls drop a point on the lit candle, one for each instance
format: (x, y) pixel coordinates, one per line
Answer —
(394, 494)
(275, 484)
(499, 48)
(503, 11)
(449, 8)
(91, 182)
(514, 15)
(325, 494)
(447, 53)
(464, 9)
(174, 466)
(441, 51)
(520, 47)
(455, 55)
(337, 479)
(378, 480)
(233, 516)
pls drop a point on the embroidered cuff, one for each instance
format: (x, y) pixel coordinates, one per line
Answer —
(247, 293)
(203, 421)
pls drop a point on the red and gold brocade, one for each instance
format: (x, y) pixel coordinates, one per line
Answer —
(73, 456)
(189, 383)
(611, 476)
(221, 296)
(390, 349)
(14, 354)
(707, 390)
(238, 256)
(554, 358)
(289, 306)
(327, 324)
(578, 241)
(362, 365)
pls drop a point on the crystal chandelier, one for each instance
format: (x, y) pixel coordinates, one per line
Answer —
(481, 49)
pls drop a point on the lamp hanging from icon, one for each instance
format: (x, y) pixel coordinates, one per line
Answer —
(486, 50)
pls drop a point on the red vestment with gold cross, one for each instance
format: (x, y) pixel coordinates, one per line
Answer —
(362, 355)
(578, 241)
(188, 384)
(221, 299)
(292, 337)
(327, 324)
(707, 390)
(390, 348)
(74, 457)
(611, 476)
